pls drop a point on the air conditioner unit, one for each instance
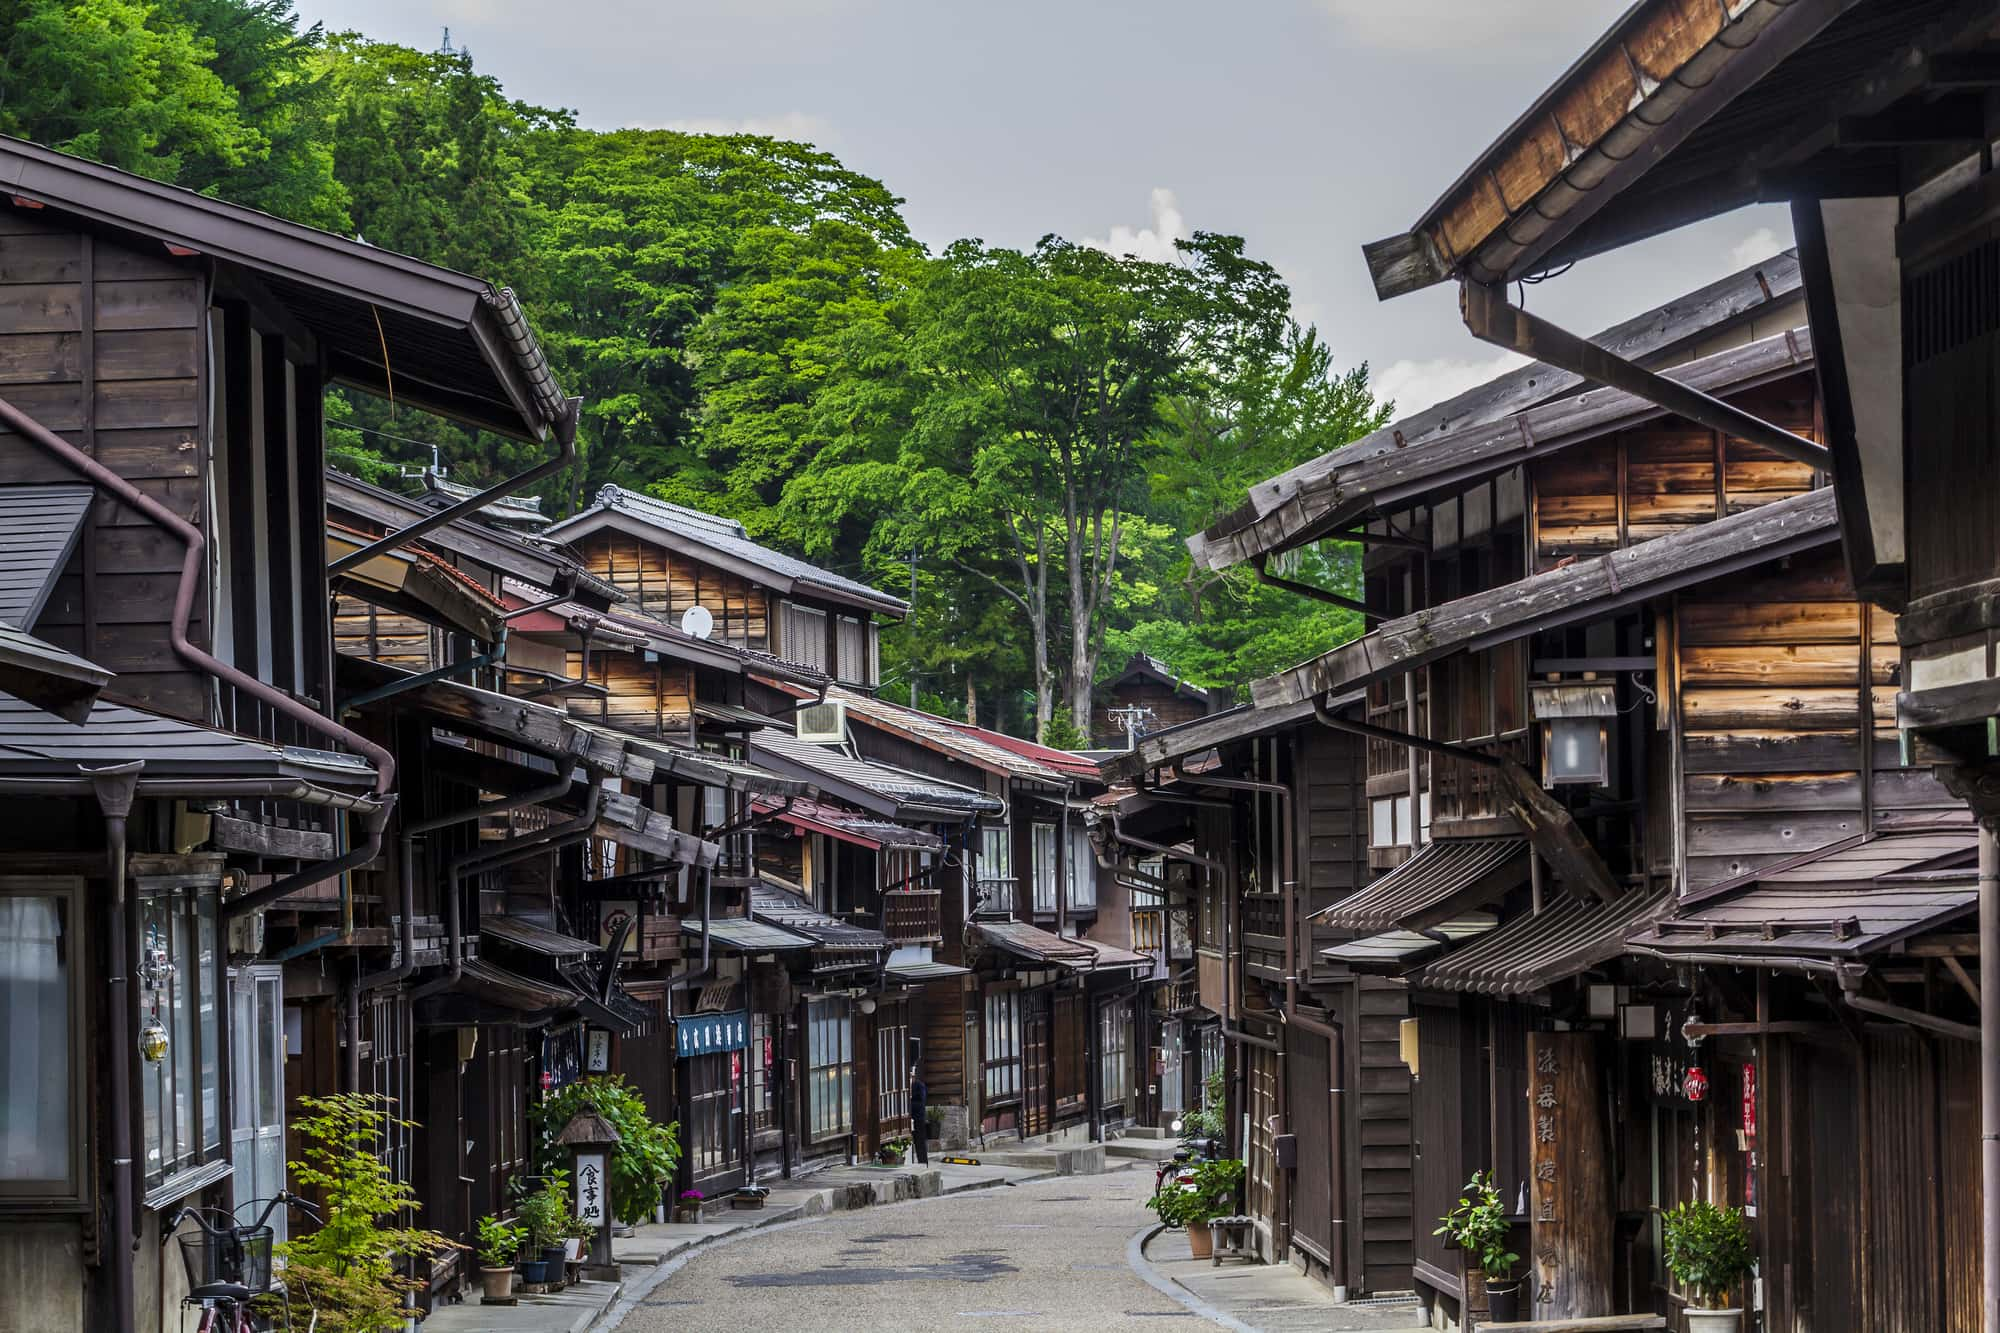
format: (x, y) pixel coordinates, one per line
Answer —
(823, 723)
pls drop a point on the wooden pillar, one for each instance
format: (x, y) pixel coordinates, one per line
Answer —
(1570, 1205)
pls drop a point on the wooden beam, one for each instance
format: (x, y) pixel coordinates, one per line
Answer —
(1916, 1018)
(1954, 118)
(1778, 1028)
(1964, 978)
(247, 835)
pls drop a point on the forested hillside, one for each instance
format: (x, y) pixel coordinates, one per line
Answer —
(756, 332)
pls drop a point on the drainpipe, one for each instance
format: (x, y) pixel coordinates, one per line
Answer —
(406, 860)
(115, 787)
(1336, 1070)
(1989, 1072)
(361, 854)
(565, 433)
(191, 570)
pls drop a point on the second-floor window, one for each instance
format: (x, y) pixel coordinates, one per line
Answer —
(1082, 870)
(1044, 846)
(851, 639)
(1147, 933)
(996, 854)
(804, 637)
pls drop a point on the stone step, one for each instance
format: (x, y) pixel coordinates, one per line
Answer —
(1149, 1150)
(1142, 1132)
(1084, 1159)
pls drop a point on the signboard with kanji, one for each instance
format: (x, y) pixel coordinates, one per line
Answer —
(592, 1188)
(1569, 1200)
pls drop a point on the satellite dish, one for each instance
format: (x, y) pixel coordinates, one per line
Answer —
(697, 621)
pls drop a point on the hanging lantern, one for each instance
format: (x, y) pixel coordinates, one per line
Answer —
(153, 1041)
(1695, 1085)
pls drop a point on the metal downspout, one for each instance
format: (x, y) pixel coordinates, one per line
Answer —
(190, 578)
(1989, 1073)
(565, 433)
(115, 787)
(359, 855)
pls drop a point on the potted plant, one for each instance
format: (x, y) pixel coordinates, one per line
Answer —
(749, 1197)
(498, 1244)
(545, 1214)
(891, 1153)
(1707, 1249)
(687, 1208)
(1478, 1224)
(1198, 1197)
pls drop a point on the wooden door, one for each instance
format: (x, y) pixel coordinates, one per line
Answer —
(1309, 1073)
(1036, 1061)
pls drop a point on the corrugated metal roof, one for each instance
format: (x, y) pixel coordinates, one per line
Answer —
(818, 817)
(1109, 956)
(1529, 953)
(728, 538)
(1856, 898)
(1397, 949)
(538, 939)
(45, 676)
(1446, 879)
(38, 531)
(1032, 942)
(887, 790)
(744, 935)
(938, 733)
(778, 907)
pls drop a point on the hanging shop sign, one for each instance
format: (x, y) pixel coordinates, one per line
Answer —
(709, 1034)
(597, 1051)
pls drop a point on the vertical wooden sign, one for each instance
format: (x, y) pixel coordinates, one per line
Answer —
(1569, 1198)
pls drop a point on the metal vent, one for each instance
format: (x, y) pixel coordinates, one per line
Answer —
(1952, 303)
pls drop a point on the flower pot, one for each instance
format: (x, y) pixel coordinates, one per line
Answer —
(552, 1257)
(1713, 1321)
(533, 1271)
(1201, 1241)
(687, 1214)
(496, 1284)
(1503, 1299)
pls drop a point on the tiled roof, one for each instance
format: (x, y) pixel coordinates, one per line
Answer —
(33, 741)
(1032, 942)
(886, 790)
(817, 817)
(780, 907)
(728, 538)
(969, 745)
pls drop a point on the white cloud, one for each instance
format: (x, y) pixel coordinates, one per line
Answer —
(1758, 246)
(1415, 385)
(796, 126)
(1154, 243)
(1440, 28)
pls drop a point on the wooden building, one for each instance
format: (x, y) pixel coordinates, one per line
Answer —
(1144, 697)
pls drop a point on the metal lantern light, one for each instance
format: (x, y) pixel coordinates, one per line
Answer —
(590, 1139)
(1575, 718)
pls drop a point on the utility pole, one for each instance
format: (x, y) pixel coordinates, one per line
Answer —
(912, 612)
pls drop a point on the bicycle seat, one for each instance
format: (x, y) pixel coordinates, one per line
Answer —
(220, 1291)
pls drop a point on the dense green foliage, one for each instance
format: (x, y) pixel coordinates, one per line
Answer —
(1707, 1249)
(1210, 1193)
(351, 1269)
(643, 1159)
(1478, 1224)
(1028, 434)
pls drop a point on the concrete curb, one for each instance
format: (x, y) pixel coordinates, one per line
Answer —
(1135, 1258)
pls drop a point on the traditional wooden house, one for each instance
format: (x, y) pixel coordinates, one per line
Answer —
(1146, 696)
(1681, 113)
(162, 400)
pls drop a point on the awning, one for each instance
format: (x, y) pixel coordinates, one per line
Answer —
(1108, 957)
(621, 819)
(1022, 940)
(1395, 950)
(47, 677)
(728, 717)
(742, 935)
(1856, 898)
(715, 770)
(1446, 879)
(39, 526)
(924, 971)
(1532, 952)
(414, 580)
(881, 789)
(786, 910)
(848, 826)
(510, 990)
(534, 938)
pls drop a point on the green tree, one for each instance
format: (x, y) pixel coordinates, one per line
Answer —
(123, 81)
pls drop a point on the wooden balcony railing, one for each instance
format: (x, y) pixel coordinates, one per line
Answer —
(1461, 789)
(659, 938)
(912, 916)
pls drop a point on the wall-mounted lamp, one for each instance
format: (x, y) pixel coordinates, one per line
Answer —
(1576, 730)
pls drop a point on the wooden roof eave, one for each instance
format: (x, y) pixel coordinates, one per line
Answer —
(1655, 77)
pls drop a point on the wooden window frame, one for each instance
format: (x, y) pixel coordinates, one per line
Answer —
(1000, 1008)
(200, 1167)
(73, 1194)
(824, 1129)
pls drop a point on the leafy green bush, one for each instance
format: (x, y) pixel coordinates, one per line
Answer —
(643, 1160)
(1211, 1194)
(498, 1242)
(350, 1268)
(1707, 1250)
(546, 1211)
(1207, 1122)
(1478, 1224)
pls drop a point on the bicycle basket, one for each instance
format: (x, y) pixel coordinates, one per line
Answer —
(241, 1257)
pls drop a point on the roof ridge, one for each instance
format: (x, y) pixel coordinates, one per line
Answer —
(616, 496)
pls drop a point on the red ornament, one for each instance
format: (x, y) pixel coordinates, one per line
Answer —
(1695, 1085)
(548, 1080)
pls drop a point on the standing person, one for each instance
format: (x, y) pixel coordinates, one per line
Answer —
(920, 1122)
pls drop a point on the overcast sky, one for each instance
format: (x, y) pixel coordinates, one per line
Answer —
(1307, 126)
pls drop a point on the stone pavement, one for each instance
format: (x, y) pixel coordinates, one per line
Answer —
(840, 1189)
(1266, 1298)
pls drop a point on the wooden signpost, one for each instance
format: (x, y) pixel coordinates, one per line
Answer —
(1569, 1203)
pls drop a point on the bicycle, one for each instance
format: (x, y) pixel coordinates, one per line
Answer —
(228, 1265)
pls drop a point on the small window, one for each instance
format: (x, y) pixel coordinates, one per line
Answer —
(996, 854)
(853, 645)
(1082, 870)
(1382, 822)
(40, 1096)
(804, 640)
(1044, 839)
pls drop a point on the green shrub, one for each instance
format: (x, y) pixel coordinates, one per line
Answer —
(1478, 1224)
(545, 1212)
(349, 1269)
(1707, 1250)
(642, 1162)
(1210, 1195)
(1207, 1122)
(499, 1243)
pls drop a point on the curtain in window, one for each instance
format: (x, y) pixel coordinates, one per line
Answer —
(35, 958)
(1082, 870)
(1044, 840)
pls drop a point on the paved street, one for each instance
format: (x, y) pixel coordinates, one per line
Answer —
(1046, 1255)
